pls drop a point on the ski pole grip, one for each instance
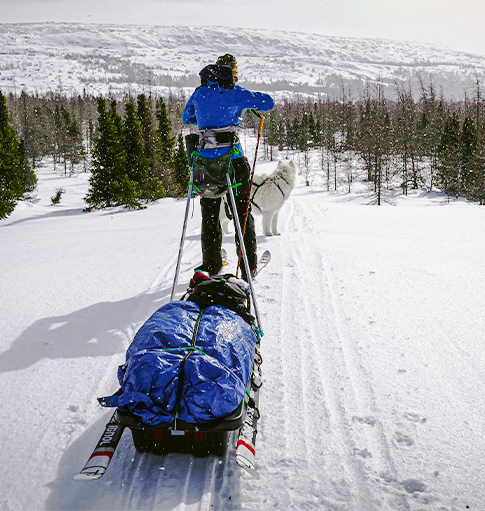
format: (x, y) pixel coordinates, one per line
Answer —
(261, 122)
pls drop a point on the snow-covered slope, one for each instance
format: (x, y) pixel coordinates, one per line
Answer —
(119, 58)
(373, 357)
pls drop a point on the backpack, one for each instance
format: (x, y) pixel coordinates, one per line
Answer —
(222, 75)
(210, 175)
(226, 290)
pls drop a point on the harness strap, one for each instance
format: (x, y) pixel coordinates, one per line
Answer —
(277, 185)
(178, 397)
(215, 138)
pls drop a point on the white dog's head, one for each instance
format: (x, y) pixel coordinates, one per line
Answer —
(287, 169)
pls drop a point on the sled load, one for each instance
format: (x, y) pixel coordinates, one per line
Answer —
(191, 376)
(185, 381)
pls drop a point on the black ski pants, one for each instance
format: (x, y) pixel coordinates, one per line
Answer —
(211, 235)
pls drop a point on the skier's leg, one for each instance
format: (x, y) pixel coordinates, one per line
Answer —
(242, 172)
(211, 235)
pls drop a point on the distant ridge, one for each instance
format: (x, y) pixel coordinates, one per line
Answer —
(102, 59)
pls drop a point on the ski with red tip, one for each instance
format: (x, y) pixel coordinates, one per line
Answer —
(263, 262)
(246, 442)
(98, 462)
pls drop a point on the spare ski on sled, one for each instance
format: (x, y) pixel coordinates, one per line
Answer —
(246, 442)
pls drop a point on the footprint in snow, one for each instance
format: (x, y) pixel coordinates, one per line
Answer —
(368, 421)
(403, 439)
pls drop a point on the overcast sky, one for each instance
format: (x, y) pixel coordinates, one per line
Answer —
(457, 24)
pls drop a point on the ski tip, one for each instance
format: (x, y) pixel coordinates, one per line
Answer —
(248, 467)
(86, 477)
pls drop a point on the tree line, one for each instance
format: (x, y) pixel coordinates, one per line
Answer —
(134, 147)
(429, 141)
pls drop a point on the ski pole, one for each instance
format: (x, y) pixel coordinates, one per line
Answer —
(182, 240)
(260, 131)
(242, 250)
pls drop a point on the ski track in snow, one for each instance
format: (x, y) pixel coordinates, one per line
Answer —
(327, 404)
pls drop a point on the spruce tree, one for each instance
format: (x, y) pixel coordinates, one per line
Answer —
(149, 134)
(405, 129)
(468, 147)
(29, 179)
(153, 188)
(448, 172)
(107, 165)
(75, 150)
(181, 171)
(136, 164)
(166, 143)
(476, 183)
(11, 189)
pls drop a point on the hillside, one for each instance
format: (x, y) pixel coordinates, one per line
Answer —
(70, 58)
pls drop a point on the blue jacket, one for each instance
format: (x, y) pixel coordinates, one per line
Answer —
(212, 106)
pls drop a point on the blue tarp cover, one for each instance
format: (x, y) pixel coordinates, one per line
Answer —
(215, 374)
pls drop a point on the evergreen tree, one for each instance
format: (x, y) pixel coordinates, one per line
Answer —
(476, 183)
(11, 189)
(181, 171)
(274, 130)
(375, 141)
(75, 151)
(405, 125)
(136, 164)
(448, 172)
(166, 143)
(29, 179)
(107, 184)
(468, 147)
(149, 134)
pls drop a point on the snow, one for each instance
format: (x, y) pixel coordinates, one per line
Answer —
(373, 395)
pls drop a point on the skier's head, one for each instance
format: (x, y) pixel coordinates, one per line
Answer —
(229, 60)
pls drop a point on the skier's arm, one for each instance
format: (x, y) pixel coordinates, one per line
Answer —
(188, 117)
(254, 100)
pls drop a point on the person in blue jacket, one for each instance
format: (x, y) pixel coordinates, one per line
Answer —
(213, 106)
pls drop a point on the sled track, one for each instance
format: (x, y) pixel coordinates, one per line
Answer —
(340, 441)
(170, 482)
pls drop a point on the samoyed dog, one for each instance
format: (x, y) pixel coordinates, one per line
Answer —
(268, 195)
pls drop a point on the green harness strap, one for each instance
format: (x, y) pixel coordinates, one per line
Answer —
(178, 397)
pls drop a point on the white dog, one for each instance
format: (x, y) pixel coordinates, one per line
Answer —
(268, 195)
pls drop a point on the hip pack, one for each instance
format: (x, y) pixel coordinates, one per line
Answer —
(210, 174)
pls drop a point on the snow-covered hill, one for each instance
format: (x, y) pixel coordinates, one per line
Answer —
(119, 58)
(373, 360)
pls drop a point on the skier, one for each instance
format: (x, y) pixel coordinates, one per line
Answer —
(213, 107)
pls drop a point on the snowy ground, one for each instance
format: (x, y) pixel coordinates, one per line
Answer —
(374, 394)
